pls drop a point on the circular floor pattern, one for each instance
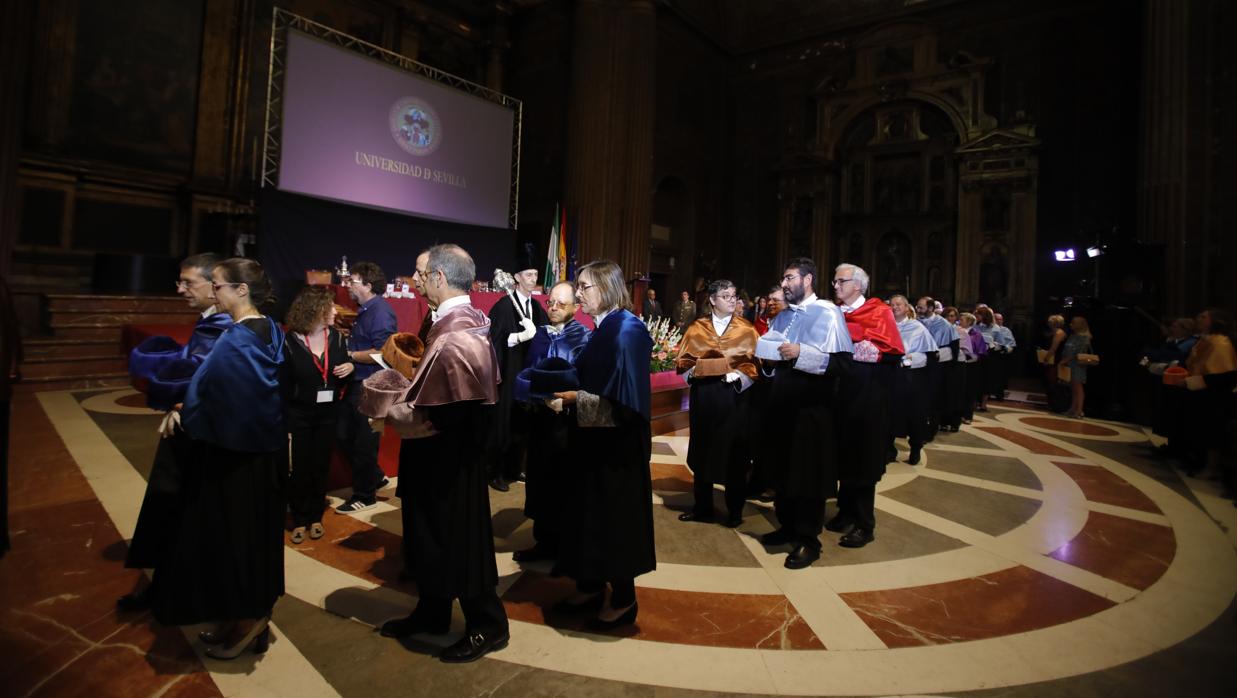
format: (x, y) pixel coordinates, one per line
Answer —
(992, 603)
(1108, 567)
(124, 401)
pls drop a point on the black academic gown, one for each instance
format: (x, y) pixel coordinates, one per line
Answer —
(510, 427)
(446, 506)
(801, 457)
(608, 534)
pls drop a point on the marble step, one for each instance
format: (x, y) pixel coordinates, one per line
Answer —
(76, 318)
(76, 303)
(72, 367)
(61, 348)
(109, 332)
(115, 379)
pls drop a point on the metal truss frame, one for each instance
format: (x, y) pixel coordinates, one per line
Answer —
(282, 21)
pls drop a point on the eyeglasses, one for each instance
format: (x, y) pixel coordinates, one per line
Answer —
(839, 282)
(181, 283)
(557, 304)
(581, 287)
(791, 277)
(422, 273)
(356, 282)
(727, 298)
(218, 286)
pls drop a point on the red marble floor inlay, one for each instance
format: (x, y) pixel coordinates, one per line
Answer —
(1100, 485)
(681, 617)
(671, 477)
(1069, 426)
(1030, 443)
(134, 400)
(1014, 600)
(1134, 553)
(60, 633)
(360, 549)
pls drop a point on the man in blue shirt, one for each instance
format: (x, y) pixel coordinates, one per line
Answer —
(375, 322)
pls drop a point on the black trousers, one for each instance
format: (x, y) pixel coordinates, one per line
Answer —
(360, 444)
(736, 490)
(802, 517)
(483, 613)
(857, 504)
(313, 440)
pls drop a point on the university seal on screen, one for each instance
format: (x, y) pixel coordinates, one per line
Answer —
(415, 126)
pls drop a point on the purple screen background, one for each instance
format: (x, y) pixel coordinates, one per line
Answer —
(337, 102)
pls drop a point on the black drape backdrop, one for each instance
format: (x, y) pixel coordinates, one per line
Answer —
(299, 232)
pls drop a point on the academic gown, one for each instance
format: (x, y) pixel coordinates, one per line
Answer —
(865, 420)
(549, 459)
(442, 478)
(227, 563)
(161, 504)
(510, 419)
(802, 399)
(608, 531)
(719, 411)
(913, 387)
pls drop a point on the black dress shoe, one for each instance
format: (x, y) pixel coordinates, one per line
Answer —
(500, 484)
(411, 625)
(733, 522)
(692, 516)
(473, 646)
(914, 458)
(779, 537)
(137, 601)
(839, 524)
(857, 538)
(802, 556)
(628, 617)
(533, 554)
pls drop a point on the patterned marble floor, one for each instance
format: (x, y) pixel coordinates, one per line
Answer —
(1027, 555)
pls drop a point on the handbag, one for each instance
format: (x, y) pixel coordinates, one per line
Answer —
(1063, 373)
(1044, 357)
(1087, 359)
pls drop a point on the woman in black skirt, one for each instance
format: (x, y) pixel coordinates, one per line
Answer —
(315, 370)
(228, 565)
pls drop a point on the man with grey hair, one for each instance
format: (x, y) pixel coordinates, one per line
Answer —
(442, 484)
(167, 375)
(865, 424)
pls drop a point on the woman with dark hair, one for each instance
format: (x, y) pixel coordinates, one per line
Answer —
(314, 372)
(227, 567)
(610, 499)
(1212, 364)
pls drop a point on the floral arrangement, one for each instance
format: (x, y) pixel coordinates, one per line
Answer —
(666, 338)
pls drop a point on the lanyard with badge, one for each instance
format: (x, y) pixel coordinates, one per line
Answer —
(327, 394)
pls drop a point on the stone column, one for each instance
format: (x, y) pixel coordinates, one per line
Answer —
(970, 238)
(610, 131)
(1174, 169)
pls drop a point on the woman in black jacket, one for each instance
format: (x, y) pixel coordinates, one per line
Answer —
(313, 375)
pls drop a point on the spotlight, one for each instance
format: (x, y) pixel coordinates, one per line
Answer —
(1096, 250)
(1066, 255)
